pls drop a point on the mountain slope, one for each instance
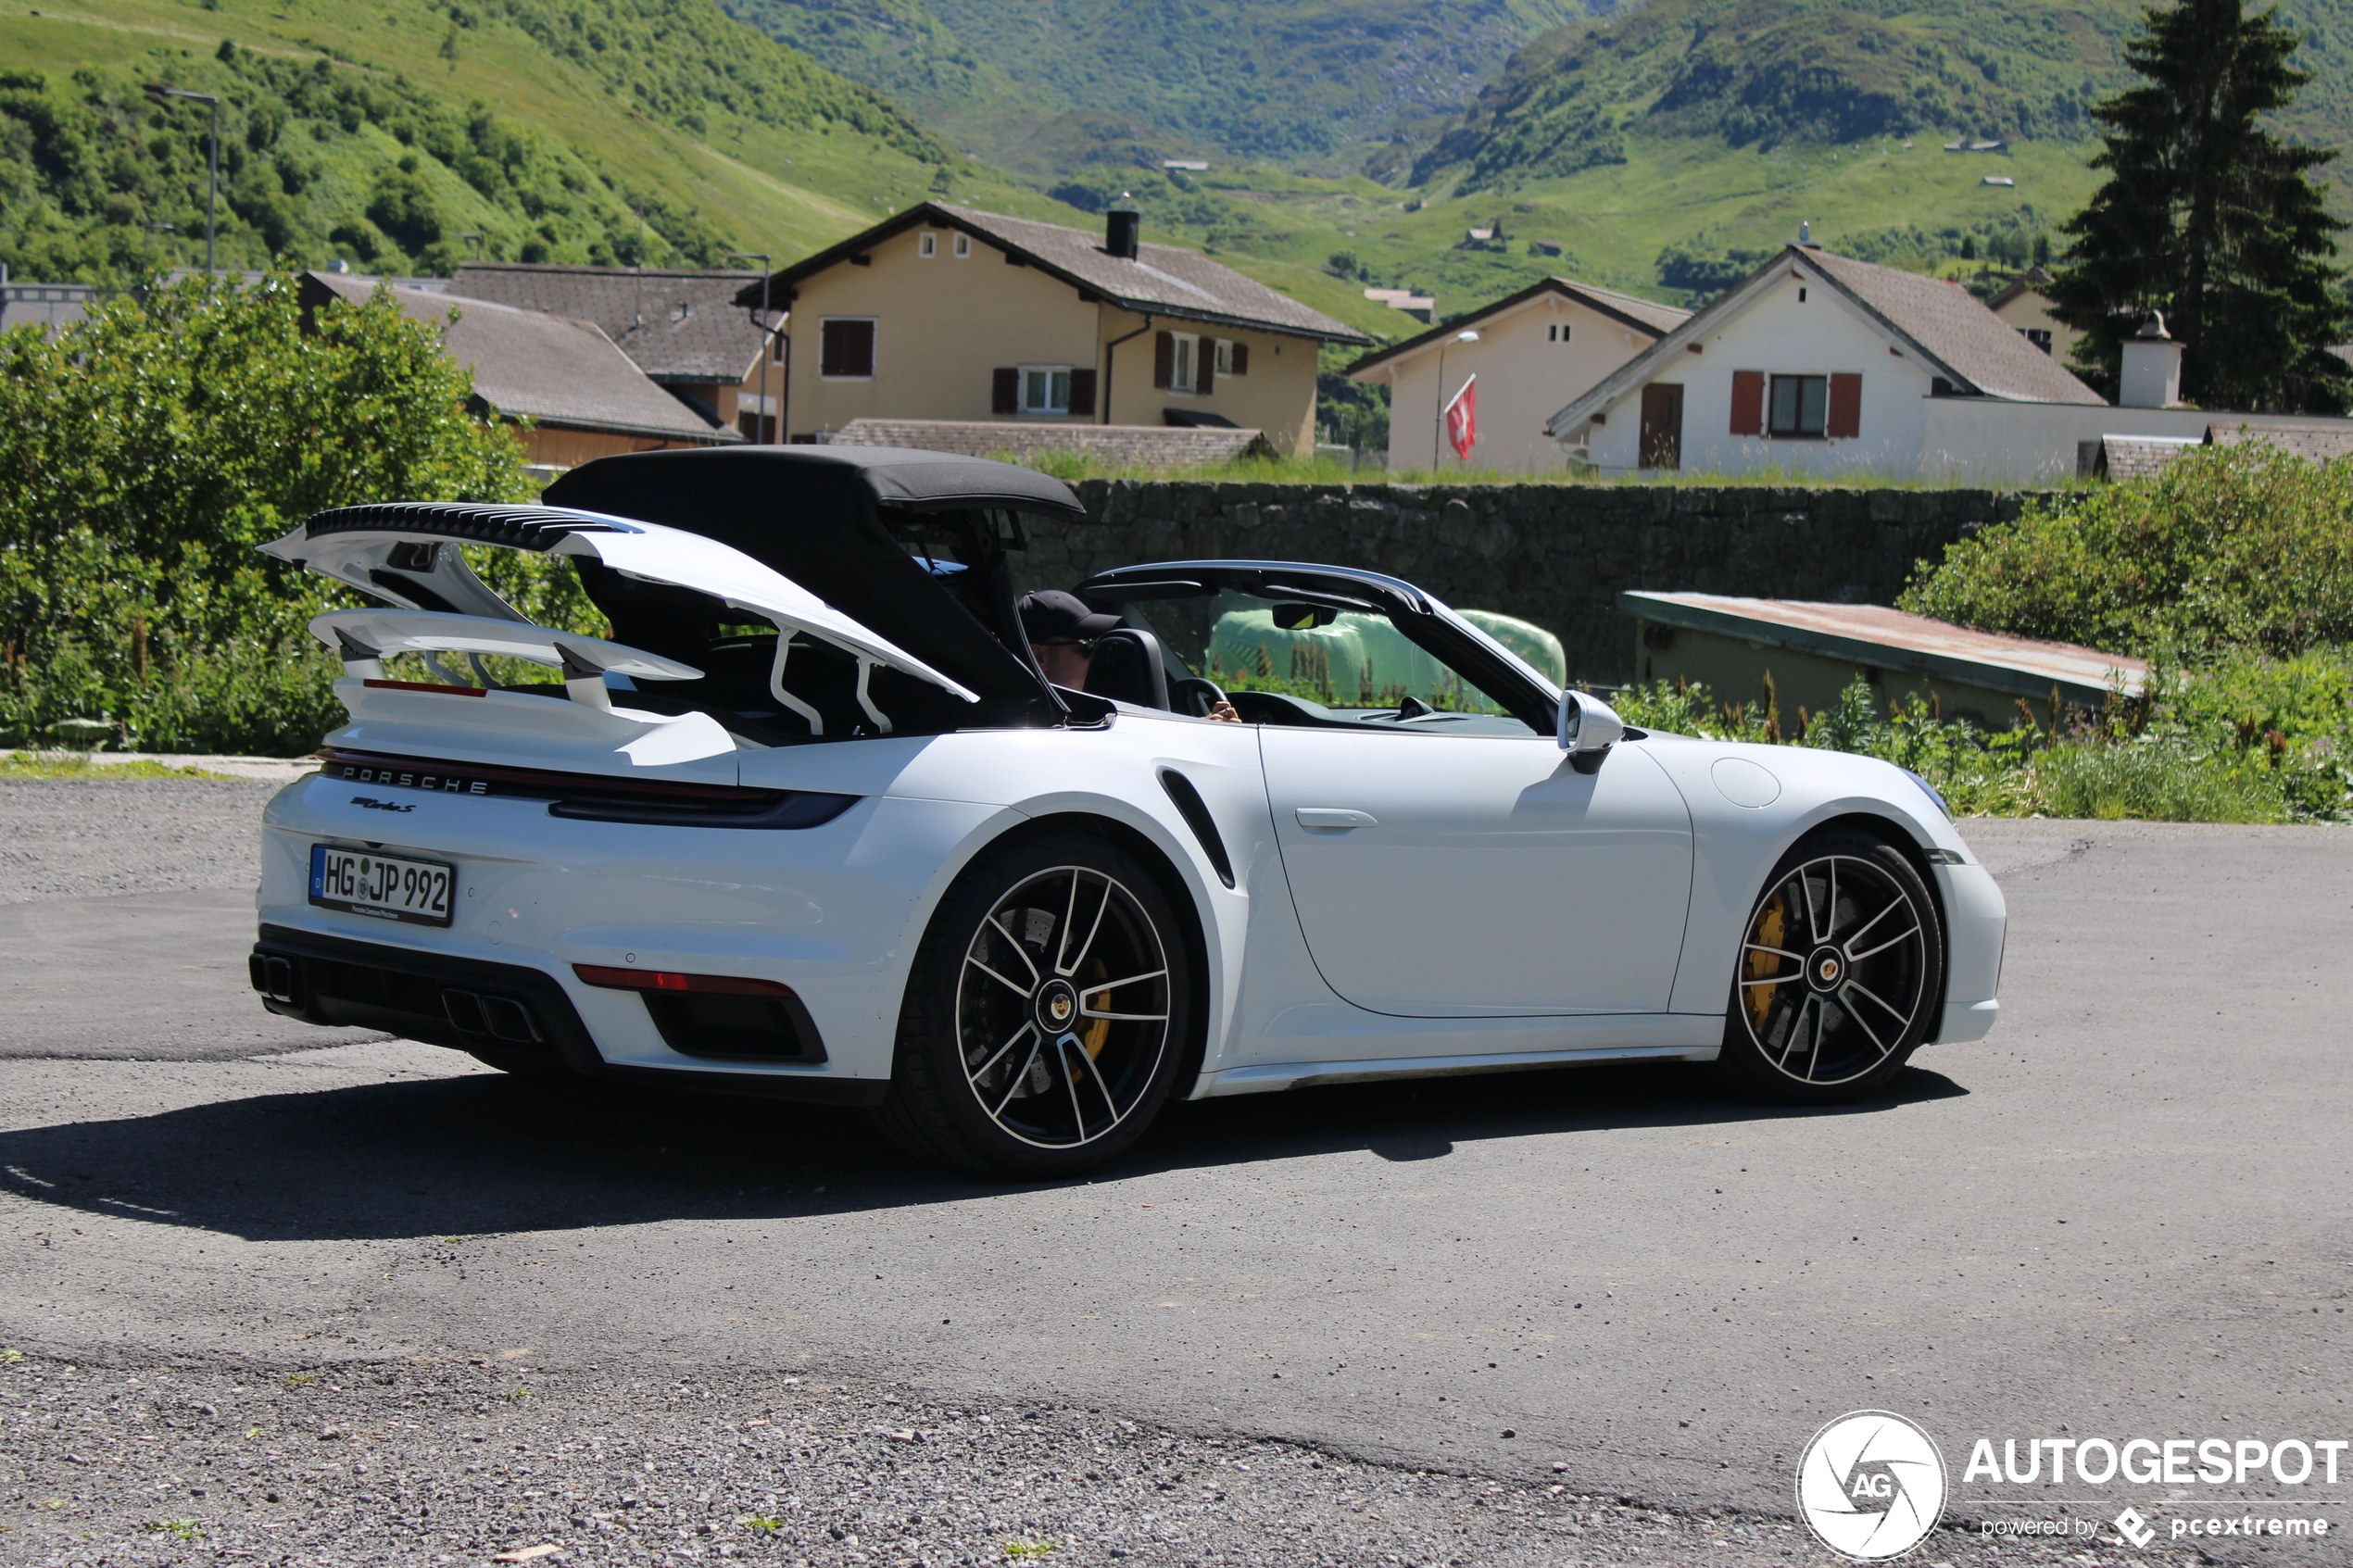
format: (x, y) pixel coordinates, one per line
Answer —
(1763, 73)
(1310, 83)
(407, 137)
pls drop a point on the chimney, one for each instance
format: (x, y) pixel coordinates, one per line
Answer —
(2151, 373)
(1120, 225)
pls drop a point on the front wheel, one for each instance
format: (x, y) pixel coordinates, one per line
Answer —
(1841, 966)
(1048, 1010)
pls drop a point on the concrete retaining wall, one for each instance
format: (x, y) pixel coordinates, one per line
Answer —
(1554, 554)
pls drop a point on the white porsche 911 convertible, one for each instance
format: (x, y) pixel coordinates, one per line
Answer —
(813, 823)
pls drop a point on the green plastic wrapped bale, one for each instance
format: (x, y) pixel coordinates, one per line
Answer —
(1531, 642)
(1357, 661)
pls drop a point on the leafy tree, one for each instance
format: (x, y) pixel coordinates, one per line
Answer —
(148, 450)
(2210, 217)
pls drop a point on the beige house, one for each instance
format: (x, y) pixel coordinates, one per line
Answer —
(1536, 350)
(2024, 306)
(948, 314)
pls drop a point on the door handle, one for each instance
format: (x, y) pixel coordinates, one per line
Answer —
(1334, 818)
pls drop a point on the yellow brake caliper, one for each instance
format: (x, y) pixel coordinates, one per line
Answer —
(1771, 927)
(1098, 1032)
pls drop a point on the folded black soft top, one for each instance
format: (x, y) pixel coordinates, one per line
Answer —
(816, 514)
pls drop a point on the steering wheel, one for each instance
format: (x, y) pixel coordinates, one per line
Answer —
(1194, 696)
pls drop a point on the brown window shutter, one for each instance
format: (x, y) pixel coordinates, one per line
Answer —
(1846, 407)
(1004, 390)
(846, 348)
(1163, 359)
(1241, 359)
(1748, 402)
(1082, 392)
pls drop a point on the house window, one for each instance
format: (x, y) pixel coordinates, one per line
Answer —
(926, 244)
(1045, 389)
(1182, 367)
(1800, 405)
(1225, 357)
(2039, 336)
(846, 348)
(962, 246)
(1556, 332)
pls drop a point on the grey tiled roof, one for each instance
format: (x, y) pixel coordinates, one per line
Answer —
(674, 324)
(2319, 442)
(1162, 280)
(1949, 324)
(1158, 446)
(552, 368)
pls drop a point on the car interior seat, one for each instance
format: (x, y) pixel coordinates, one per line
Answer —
(1128, 667)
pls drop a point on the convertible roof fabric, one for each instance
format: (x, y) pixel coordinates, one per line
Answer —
(811, 514)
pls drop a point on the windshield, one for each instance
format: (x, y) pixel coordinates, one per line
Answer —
(1289, 660)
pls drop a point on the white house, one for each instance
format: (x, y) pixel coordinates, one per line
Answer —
(1536, 349)
(1818, 364)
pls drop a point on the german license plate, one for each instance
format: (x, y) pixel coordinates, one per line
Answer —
(386, 886)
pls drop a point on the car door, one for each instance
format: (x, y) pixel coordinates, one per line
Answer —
(1464, 876)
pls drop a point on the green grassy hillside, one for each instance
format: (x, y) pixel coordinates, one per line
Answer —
(411, 134)
(1320, 83)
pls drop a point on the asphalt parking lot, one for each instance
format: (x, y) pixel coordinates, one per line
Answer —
(1580, 1316)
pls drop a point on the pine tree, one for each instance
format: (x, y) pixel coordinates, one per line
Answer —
(2210, 217)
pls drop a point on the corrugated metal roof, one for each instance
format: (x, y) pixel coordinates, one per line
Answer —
(1878, 637)
(552, 368)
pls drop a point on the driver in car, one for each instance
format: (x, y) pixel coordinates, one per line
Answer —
(1061, 633)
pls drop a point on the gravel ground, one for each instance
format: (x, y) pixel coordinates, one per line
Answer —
(446, 1462)
(79, 838)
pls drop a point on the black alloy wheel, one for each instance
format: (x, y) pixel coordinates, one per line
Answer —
(1841, 969)
(1048, 1010)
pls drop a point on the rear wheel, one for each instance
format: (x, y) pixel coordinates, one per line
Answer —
(1841, 966)
(1046, 1013)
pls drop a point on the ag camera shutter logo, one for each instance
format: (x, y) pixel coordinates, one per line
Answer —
(1871, 1486)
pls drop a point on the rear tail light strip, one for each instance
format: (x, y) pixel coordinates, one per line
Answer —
(671, 981)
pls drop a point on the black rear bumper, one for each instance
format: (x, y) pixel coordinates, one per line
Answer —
(470, 1004)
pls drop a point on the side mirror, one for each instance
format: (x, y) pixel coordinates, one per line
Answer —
(1588, 729)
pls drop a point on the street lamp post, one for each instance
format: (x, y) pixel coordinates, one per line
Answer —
(161, 91)
(1438, 415)
(766, 339)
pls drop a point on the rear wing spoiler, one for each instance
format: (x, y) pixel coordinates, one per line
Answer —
(408, 552)
(364, 636)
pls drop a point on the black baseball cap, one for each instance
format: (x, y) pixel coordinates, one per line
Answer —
(1051, 615)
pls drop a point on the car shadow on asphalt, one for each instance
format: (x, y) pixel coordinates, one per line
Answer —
(478, 1153)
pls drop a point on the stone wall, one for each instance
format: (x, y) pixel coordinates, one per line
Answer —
(1554, 554)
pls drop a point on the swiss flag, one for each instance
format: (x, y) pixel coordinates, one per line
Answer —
(1462, 418)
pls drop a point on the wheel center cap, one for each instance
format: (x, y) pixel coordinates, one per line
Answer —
(1056, 1006)
(1826, 969)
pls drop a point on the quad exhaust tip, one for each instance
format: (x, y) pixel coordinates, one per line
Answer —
(502, 1018)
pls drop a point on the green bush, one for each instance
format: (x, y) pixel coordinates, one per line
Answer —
(2227, 547)
(145, 452)
(2242, 739)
